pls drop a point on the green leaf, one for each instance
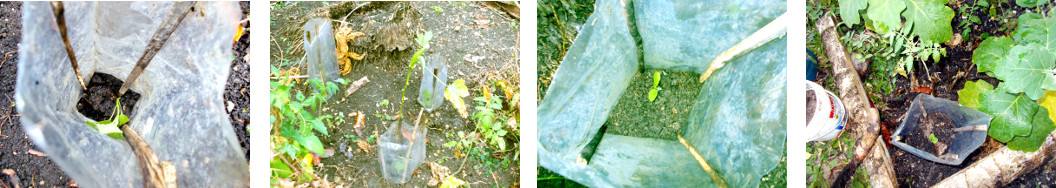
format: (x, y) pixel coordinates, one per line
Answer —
(1025, 69)
(970, 96)
(279, 169)
(930, 19)
(1031, 3)
(933, 139)
(312, 143)
(849, 10)
(652, 94)
(885, 14)
(318, 125)
(656, 79)
(1012, 114)
(991, 52)
(1034, 28)
(1041, 129)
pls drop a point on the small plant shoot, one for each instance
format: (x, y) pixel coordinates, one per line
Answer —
(112, 126)
(655, 91)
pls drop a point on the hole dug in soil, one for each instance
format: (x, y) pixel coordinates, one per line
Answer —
(97, 103)
(664, 118)
(937, 123)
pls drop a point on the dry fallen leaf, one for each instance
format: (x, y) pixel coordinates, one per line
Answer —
(454, 94)
(439, 173)
(37, 153)
(342, 36)
(363, 145)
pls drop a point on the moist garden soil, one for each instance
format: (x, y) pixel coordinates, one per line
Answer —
(937, 123)
(480, 45)
(664, 118)
(97, 103)
(942, 79)
(20, 155)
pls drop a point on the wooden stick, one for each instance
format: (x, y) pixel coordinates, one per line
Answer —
(60, 20)
(1001, 167)
(771, 31)
(715, 176)
(168, 25)
(155, 173)
(862, 119)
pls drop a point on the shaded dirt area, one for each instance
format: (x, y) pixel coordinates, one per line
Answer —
(20, 155)
(893, 94)
(479, 44)
(236, 92)
(664, 117)
(559, 23)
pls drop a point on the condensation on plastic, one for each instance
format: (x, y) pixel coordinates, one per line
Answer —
(180, 115)
(964, 143)
(399, 155)
(685, 35)
(737, 122)
(319, 49)
(431, 93)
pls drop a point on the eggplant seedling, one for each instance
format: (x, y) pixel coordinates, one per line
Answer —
(656, 87)
(111, 127)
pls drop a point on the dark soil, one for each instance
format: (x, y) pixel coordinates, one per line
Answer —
(236, 92)
(17, 151)
(937, 123)
(664, 118)
(558, 24)
(15, 147)
(462, 31)
(98, 102)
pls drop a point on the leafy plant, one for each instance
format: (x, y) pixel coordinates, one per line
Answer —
(656, 87)
(293, 117)
(931, 137)
(489, 125)
(423, 41)
(969, 18)
(1031, 3)
(929, 19)
(438, 9)
(111, 127)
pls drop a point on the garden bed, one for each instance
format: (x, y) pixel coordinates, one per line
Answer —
(480, 45)
(892, 94)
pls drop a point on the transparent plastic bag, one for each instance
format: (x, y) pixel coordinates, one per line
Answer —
(401, 151)
(320, 49)
(180, 114)
(737, 123)
(963, 144)
(434, 83)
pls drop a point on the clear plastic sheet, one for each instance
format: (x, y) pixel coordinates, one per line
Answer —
(434, 83)
(737, 123)
(401, 152)
(320, 49)
(964, 143)
(180, 115)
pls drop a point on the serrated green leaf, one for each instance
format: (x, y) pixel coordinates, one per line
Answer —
(930, 19)
(885, 14)
(991, 52)
(849, 10)
(1025, 69)
(1012, 114)
(318, 125)
(970, 96)
(1041, 129)
(312, 143)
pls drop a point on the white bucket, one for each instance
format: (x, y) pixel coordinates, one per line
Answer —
(828, 120)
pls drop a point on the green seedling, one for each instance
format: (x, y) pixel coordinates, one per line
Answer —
(438, 9)
(933, 139)
(111, 127)
(656, 87)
